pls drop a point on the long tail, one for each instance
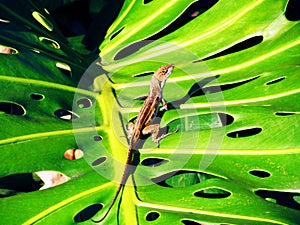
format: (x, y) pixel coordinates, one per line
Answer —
(125, 176)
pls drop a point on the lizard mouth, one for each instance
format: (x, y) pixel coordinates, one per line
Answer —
(169, 70)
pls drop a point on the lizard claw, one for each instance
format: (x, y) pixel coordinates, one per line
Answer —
(158, 144)
(163, 136)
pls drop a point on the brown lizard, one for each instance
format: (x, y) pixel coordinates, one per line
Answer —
(142, 127)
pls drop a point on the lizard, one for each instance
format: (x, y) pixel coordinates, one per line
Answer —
(143, 127)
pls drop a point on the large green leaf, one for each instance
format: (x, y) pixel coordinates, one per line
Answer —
(233, 94)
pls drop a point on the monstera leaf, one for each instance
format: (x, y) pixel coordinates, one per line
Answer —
(233, 94)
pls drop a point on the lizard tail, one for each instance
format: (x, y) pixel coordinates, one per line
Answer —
(111, 204)
(125, 176)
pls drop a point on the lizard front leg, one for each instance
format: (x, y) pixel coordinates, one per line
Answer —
(164, 104)
(153, 130)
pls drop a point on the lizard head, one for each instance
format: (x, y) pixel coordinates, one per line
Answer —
(163, 73)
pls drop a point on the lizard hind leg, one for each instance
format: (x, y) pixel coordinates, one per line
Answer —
(154, 130)
(158, 139)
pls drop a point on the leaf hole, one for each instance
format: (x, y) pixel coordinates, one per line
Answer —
(196, 8)
(4, 21)
(144, 74)
(181, 178)
(152, 216)
(292, 10)
(147, 1)
(64, 68)
(236, 48)
(36, 51)
(259, 173)
(7, 50)
(88, 212)
(191, 222)
(51, 178)
(73, 154)
(12, 108)
(65, 114)
(97, 138)
(98, 161)
(46, 11)
(84, 103)
(195, 90)
(286, 199)
(116, 33)
(49, 42)
(245, 133)
(226, 119)
(275, 80)
(224, 87)
(37, 97)
(185, 17)
(19, 183)
(42, 20)
(132, 48)
(285, 113)
(153, 162)
(212, 193)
